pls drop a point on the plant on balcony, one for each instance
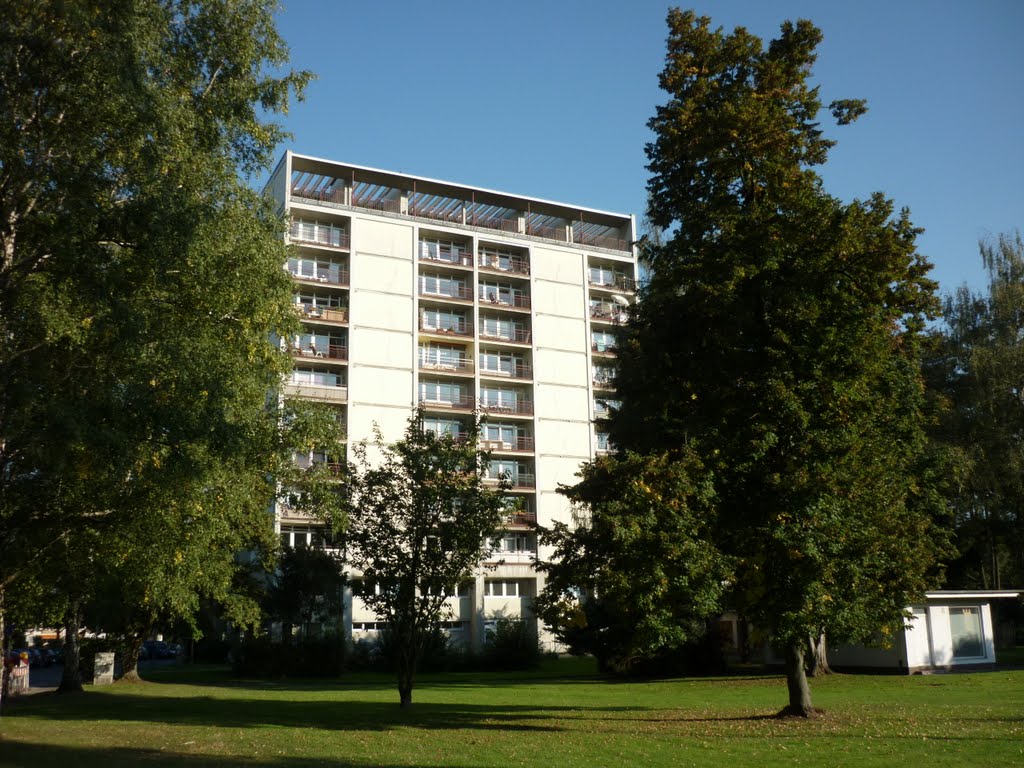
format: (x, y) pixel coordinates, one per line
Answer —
(421, 523)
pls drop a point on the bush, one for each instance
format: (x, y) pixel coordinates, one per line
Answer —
(258, 657)
(512, 645)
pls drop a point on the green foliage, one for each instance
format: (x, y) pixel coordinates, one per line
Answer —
(642, 555)
(775, 355)
(420, 522)
(977, 367)
(512, 644)
(139, 282)
(307, 588)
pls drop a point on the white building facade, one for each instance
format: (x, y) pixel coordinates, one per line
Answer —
(459, 299)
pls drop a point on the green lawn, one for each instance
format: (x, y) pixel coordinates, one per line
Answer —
(564, 716)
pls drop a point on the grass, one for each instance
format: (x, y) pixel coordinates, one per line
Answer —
(564, 715)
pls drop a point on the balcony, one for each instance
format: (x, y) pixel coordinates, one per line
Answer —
(519, 518)
(332, 352)
(604, 382)
(327, 314)
(455, 293)
(613, 283)
(458, 403)
(510, 266)
(328, 276)
(518, 408)
(518, 557)
(306, 233)
(602, 347)
(462, 328)
(460, 366)
(455, 257)
(516, 371)
(315, 392)
(517, 445)
(513, 301)
(516, 480)
(514, 336)
(606, 313)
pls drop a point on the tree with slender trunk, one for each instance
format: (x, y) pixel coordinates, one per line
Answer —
(422, 519)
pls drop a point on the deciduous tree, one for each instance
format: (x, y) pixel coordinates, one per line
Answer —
(420, 523)
(139, 277)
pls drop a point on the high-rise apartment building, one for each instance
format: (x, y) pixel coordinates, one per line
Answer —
(418, 291)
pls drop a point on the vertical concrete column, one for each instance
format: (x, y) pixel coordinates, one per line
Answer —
(476, 631)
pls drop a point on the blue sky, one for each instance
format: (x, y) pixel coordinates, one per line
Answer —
(551, 99)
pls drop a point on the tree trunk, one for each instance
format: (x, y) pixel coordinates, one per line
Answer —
(817, 659)
(5, 673)
(796, 681)
(71, 681)
(406, 670)
(130, 660)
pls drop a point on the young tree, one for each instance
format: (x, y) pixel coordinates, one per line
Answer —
(978, 368)
(420, 523)
(139, 277)
(778, 343)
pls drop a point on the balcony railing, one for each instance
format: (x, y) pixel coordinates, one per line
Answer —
(386, 204)
(460, 293)
(517, 300)
(616, 282)
(520, 517)
(601, 241)
(317, 392)
(330, 276)
(516, 336)
(447, 366)
(517, 371)
(604, 382)
(458, 258)
(330, 314)
(516, 480)
(328, 237)
(517, 444)
(609, 314)
(603, 347)
(510, 266)
(463, 402)
(520, 407)
(459, 329)
(332, 352)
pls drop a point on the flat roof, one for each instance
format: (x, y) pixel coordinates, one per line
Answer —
(971, 594)
(437, 186)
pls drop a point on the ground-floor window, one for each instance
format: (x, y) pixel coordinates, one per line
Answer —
(965, 627)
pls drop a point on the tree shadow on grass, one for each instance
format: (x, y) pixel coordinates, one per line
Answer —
(22, 754)
(327, 714)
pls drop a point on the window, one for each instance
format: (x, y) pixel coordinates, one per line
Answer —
(316, 232)
(965, 628)
(506, 261)
(603, 443)
(319, 345)
(443, 250)
(505, 434)
(443, 320)
(512, 543)
(439, 427)
(311, 299)
(441, 285)
(304, 536)
(602, 341)
(503, 588)
(445, 356)
(317, 377)
(318, 269)
(502, 363)
(442, 392)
